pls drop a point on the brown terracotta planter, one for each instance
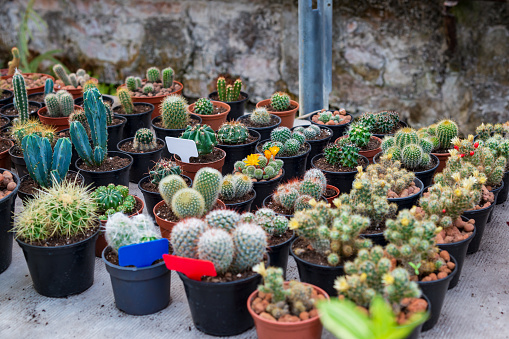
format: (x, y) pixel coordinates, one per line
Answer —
(76, 92)
(268, 329)
(101, 242)
(368, 154)
(166, 226)
(330, 199)
(190, 169)
(287, 117)
(59, 123)
(443, 157)
(156, 100)
(5, 157)
(35, 89)
(214, 120)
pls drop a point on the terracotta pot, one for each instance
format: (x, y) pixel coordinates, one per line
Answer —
(214, 120)
(330, 199)
(190, 169)
(76, 92)
(59, 123)
(287, 117)
(268, 329)
(442, 157)
(166, 226)
(5, 157)
(368, 154)
(101, 243)
(35, 89)
(156, 100)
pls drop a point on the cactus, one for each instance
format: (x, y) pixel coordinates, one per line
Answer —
(446, 130)
(406, 136)
(260, 116)
(20, 96)
(311, 132)
(121, 230)
(203, 136)
(89, 84)
(280, 101)
(79, 115)
(289, 144)
(21, 129)
(345, 155)
(232, 133)
(300, 137)
(216, 246)
(237, 87)
(285, 196)
(396, 178)
(14, 63)
(167, 77)
(73, 80)
(221, 89)
(280, 134)
(273, 283)
(144, 140)
(148, 88)
(498, 146)
(188, 202)
(125, 100)
(235, 186)
(153, 75)
(53, 105)
(250, 242)
(62, 74)
(271, 223)
(170, 185)
(224, 219)
(130, 84)
(48, 86)
(174, 113)
(139, 82)
(409, 147)
(65, 102)
(258, 166)
(185, 236)
(204, 106)
(111, 199)
(162, 169)
(207, 182)
(383, 122)
(359, 135)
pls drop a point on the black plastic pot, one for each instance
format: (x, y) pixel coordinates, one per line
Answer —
(459, 251)
(42, 103)
(116, 133)
(495, 192)
(118, 177)
(142, 162)
(416, 332)
(6, 213)
(18, 162)
(62, 270)
(318, 275)
(108, 100)
(376, 238)
(337, 130)
(287, 216)
(502, 195)
(238, 152)
(381, 136)
(139, 291)
(317, 146)
(278, 254)
(27, 196)
(435, 292)
(342, 180)
(408, 202)
(295, 166)
(237, 108)
(7, 100)
(220, 308)
(264, 131)
(264, 189)
(242, 207)
(161, 133)
(136, 121)
(32, 114)
(481, 218)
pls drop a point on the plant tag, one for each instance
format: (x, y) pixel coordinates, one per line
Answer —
(193, 268)
(184, 148)
(144, 254)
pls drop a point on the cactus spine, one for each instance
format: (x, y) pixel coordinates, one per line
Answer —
(168, 77)
(170, 185)
(185, 236)
(20, 96)
(221, 88)
(153, 74)
(125, 100)
(216, 246)
(162, 169)
(188, 202)
(204, 137)
(130, 84)
(232, 133)
(446, 130)
(203, 106)
(235, 186)
(174, 113)
(280, 101)
(250, 242)
(144, 140)
(208, 183)
(260, 116)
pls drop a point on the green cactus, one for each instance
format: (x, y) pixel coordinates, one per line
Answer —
(73, 80)
(484, 131)
(187, 202)
(185, 236)
(20, 96)
(174, 112)
(62, 74)
(204, 106)
(79, 115)
(359, 135)
(207, 182)
(280, 101)
(216, 245)
(221, 89)
(167, 77)
(120, 230)
(203, 136)
(411, 156)
(498, 146)
(395, 177)
(300, 137)
(153, 74)
(51, 101)
(89, 84)
(144, 140)
(224, 219)
(111, 199)
(235, 186)
(170, 185)
(257, 166)
(260, 116)
(48, 86)
(446, 130)
(285, 196)
(237, 87)
(232, 133)
(406, 136)
(345, 155)
(14, 63)
(148, 88)
(290, 148)
(125, 100)
(250, 242)
(280, 134)
(273, 284)
(270, 222)
(60, 104)
(325, 116)
(21, 129)
(163, 168)
(387, 143)
(130, 84)
(313, 187)
(312, 132)
(138, 81)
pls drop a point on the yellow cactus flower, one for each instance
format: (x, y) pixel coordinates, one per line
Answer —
(312, 202)
(405, 221)
(293, 224)
(260, 269)
(470, 138)
(357, 185)
(341, 285)
(453, 153)
(457, 192)
(388, 279)
(252, 160)
(363, 277)
(337, 202)
(456, 176)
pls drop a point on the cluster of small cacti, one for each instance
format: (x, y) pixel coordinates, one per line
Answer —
(133, 83)
(288, 142)
(259, 166)
(162, 169)
(174, 112)
(332, 232)
(310, 132)
(498, 145)
(125, 100)
(204, 106)
(60, 104)
(191, 202)
(485, 131)
(120, 230)
(440, 134)
(260, 116)
(272, 223)
(46, 166)
(235, 186)
(232, 133)
(222, 238)
(383, 122)
(20, 96)
(203, 136)
(144, 140)
(329, 117)
(96, 113)
(73, 79)
(410, 148)
(280, 101)
(359, 135)
(342, 154)
(21, 129)
(14, 63)
(153, 75)
(65, 209)
(228, 93)
(111, 199)
(396, 178)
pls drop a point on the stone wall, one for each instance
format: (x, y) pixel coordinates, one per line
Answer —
(387, 54)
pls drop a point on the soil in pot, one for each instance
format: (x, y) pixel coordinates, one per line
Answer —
(216, 155)
(11, 111)
(159, 90)
(149, 186)
(331, 192)
(5, 95)
(238, 204)
(30, 186)
(128, 147)
(109, 164)
(217, 110)
(344, 118)
(32, 81)
(37, 97)
(137, 109)
(139, 118)
(4, 122)
(320, 163)
(274, 121)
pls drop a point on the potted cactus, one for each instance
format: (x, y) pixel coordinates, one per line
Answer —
(57, 109)
(138, 114)
(149, 185)
(23, 108)
(500, 148)
(6, 97)
(237, 141)
(317, 136)
(327, 237)
(280, 104)
(34, 81)
(57, 232)
(86, 86)
(293, 150)
(441, 135)
(231, 95)
(237, 192)
(338, 121)
(381, 124)
(180, 201)
(264, 170)
(137, 290)
(285, 309)
(145, 149)
(208, 155)
(360, 136)
(98, 166)
(157, 85)
(219, 304)
(74, 83)
(39, 97)
(9, 186)
(261, 121)
(212, 113)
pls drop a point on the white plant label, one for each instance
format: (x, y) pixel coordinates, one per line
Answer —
(184, 148)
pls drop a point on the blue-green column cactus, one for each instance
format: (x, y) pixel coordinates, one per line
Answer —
(48, 86)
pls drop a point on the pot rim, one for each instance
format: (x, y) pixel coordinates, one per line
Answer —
(22, 243)
(45, 108)
(469, 239)
(123, 122)
(125, 268)
(242, 202)
(291, 111)
(7, 150)
(271, 179)
(330, 126)
(159, 96)
(326, 268)
(135, 153)
(246, 116)
(449, 276)
(308, 146)
(223, 283)
(135, 114)
(283, 243)
(257, 134)
(214, 103)
(231, 102)
(171, 129)
(4, 107)
(107, 154)
(325, 171)
(498, 189)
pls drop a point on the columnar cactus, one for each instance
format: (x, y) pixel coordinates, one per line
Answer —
(14, 63)
(111, 199)
(232, 133)
(204, 106)
(60, 104)
(235, 186)
(207, 182)
(121, 230)
(446, 130)
(235, 94)
(221, 89)
(162, 169)
(125, 100)
(273, 283)
(48, 86)
(167, 77)
(62, 74)
(131, 84)
(260, 116)
(89, 84)
(359, 135)
(498, 145)
(174, 112)
(144, 140)
(73, 80)
(345, 155)
(259, 166)
(20, 96)
(204, 137)
(153, 74)
(280, 101)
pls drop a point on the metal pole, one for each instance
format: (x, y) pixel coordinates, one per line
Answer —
(315, 55)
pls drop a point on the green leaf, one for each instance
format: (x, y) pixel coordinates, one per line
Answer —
(344, 320)
(34, 63)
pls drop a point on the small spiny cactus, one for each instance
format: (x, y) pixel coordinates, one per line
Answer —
(280, 101)
(232, 133)
(153, 75)
(260, 116)
(204, 107)
(167, 77)
(144, 140)
(62, 74)
(121, 230)
(174, 113)
(125, 100)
